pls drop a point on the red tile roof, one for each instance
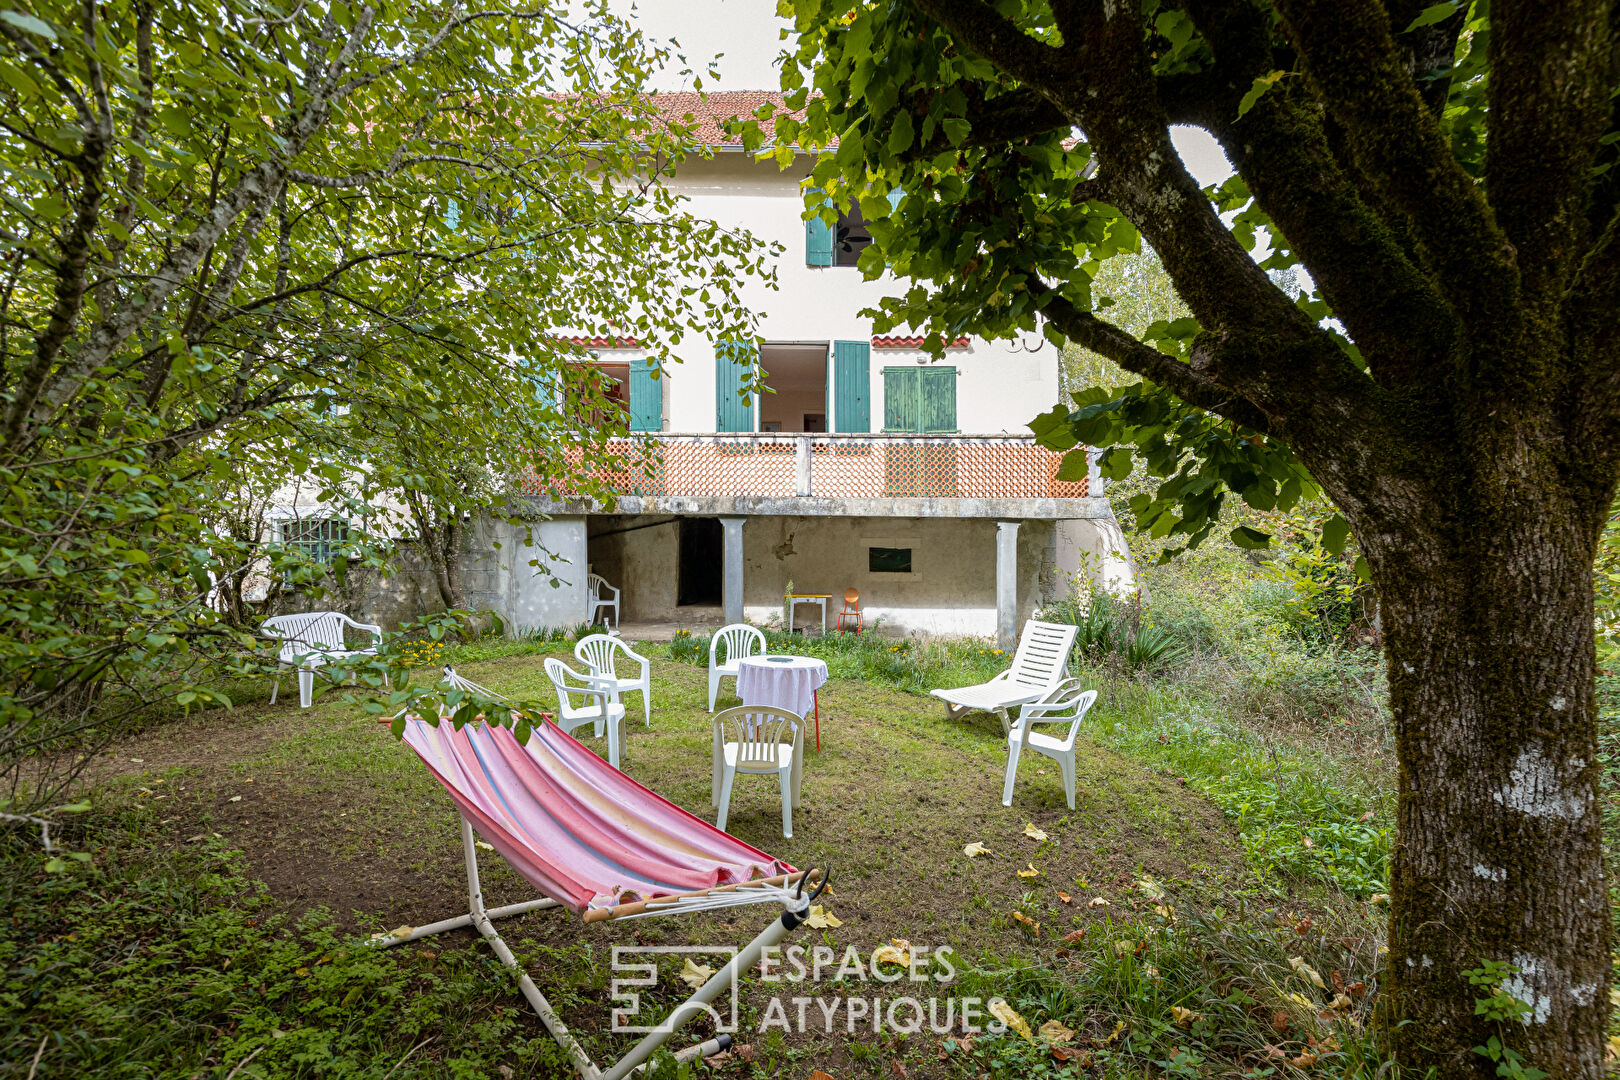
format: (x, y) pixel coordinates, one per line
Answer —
(710, 111)
(605, 342)
(912, 343)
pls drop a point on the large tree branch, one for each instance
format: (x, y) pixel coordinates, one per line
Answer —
(1003, 120)
(1349, 54)
(1104, 338)
(1386, 303)
(1593, 396)
(1549, 100)
(999, 40)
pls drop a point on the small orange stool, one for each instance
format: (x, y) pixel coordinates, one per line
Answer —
(852, 610)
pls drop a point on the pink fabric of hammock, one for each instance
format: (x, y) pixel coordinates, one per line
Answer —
(582, 831)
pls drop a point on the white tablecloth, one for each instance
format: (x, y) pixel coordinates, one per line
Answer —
(787, 682)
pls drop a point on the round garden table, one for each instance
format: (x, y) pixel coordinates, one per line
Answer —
(785, 682)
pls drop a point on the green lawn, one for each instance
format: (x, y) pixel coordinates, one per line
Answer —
(195, 969)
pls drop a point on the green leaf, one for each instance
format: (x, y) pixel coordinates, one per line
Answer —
(29, 24)
(1260, 86)
(1433, 14)
(1334, 533)
(1250, 539)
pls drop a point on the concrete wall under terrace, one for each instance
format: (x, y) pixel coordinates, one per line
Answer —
(950, 591)
(640, 555)
(496, 572)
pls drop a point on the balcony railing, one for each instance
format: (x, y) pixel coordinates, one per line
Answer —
(833, 466)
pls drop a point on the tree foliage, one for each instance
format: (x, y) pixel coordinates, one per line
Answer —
(343, 244)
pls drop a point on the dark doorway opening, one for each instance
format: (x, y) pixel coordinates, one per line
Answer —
(702, 562)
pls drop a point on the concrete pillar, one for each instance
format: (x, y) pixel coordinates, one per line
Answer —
(731, 588)
(1007, 584)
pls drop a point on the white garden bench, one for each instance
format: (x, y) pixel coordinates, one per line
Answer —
(1041, 662)
(312, 639)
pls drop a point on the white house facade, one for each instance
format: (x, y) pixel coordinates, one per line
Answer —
(866, 465)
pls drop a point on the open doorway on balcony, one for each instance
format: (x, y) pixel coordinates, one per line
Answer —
(702, 563)
(797, 372)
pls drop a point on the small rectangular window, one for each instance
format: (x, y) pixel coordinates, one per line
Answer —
(318, 538)
(886, 560)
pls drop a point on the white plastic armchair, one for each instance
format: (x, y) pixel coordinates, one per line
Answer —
(1040, 663)
(312, 639)
(1066, 704)
(596, 585)
(589, 702)
(738, 640)
(761, 740)
(600, 653)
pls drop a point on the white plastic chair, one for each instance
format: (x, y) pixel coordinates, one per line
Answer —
(1066, 704)
(1040, 664)
(600, 652)
(596, 584)
(740, 640)
(596, 706)
(761, 740)
(310, 640)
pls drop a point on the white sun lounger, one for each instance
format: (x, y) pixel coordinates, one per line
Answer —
(1040, 664)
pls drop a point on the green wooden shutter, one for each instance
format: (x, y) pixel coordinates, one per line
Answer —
(937, 399)
(733, 365)
(900, 399)
(646, 397)
(852, 385)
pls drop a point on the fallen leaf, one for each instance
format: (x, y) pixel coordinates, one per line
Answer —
(1280, 1023)
(1065, 897)
(1340, 1001)
(1304, 1061)
(898, 1068)
(720, 1060)
(1063, 1053)
(1308, 842)
(302, 972)
(1378, 898)
(1121, 948)
(1074, 936)
(1119, 1029)
(1027, 921)
(235, 798)
(1302, 1001)
(1098, 901)
(744, 1053)
(194, 839)
(1356, 989)
(817, 1074)
(1184, 1017)
(975, 849)
(1151, 972)
(1165, 912)
(1054, 1032)
(1298, 964)
(1033, 833)
(1368, 816)
(1030, 873)
(695, 975)
(1151, 889)
(1336, 977)
(480, 845)
(1303, 926)
(821, 919)
(898, 951)
(1274, 1053)
(1011, 1017)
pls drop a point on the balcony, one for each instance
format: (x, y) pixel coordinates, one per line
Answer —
(995, 476)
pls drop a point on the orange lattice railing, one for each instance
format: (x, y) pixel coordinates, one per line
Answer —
(833, 466)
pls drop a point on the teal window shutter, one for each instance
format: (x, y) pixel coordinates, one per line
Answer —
(646, 397)
(852, 386)
(900, 399)
(818, 241)
(937, 399)
(733, 365)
